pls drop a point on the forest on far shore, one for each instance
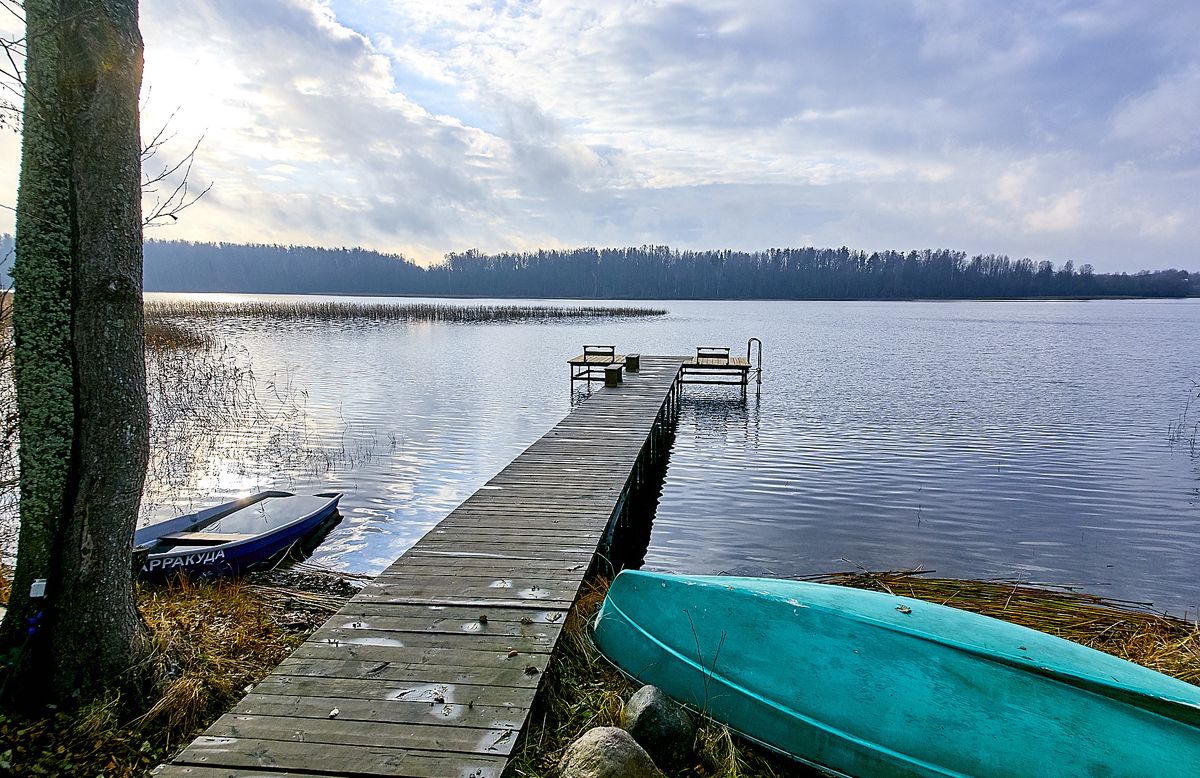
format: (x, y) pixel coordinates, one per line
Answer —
(647, 272)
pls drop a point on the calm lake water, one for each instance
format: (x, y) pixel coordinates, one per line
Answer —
(979, 439)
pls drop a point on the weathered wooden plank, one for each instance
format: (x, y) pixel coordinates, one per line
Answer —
(413, 656)
(443, 599)
(477, 570)
(196, 771)
(422, 693)
(470, 565)
(437, 547)
(527, 639)
(542, 533)
(498, 636)
(513, 506)
(357, 760)
(335, 730)
(505, 548)
(420, 581)
(455, 618)
(383, 710)
(414, 670)
(546, 545)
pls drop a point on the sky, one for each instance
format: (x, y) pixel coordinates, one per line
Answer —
(1053, 129)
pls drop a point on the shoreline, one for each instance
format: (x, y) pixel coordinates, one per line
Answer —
(581, 689)
(1057, 298)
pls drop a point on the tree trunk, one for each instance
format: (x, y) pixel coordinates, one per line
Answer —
(79, 364)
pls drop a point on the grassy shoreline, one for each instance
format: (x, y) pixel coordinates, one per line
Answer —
(216, 640)
(582, 690)
(212, 643)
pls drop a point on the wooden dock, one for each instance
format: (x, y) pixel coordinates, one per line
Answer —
(714, 365)
(431, 670)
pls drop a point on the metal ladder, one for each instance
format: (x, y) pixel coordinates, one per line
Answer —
(757, 371)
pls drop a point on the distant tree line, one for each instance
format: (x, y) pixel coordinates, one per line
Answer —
(648, 272)
(181, 266)
(659, 272)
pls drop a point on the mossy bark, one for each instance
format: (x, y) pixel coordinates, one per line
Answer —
(79, 366)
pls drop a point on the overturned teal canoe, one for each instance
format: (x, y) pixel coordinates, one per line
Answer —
(868, 684)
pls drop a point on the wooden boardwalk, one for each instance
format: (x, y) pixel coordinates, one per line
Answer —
(431, 670)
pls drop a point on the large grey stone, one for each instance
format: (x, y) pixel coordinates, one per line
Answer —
(661, 726)
(607, 752)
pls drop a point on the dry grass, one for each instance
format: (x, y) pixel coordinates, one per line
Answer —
(168, 335)
(319, 310)
(582, 690)
(1128, 630)
(211, 641)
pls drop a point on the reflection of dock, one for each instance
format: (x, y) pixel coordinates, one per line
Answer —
(432, 669)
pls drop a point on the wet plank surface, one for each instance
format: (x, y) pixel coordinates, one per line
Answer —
(432, 668)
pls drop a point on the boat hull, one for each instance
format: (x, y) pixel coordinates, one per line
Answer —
(862, 683)
(230, 558)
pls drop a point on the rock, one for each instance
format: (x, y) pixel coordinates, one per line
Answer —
(607, 752)
(661, 726)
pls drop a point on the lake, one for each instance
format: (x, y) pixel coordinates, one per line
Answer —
(1023, 440)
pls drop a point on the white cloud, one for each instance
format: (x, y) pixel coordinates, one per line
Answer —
(1165, 119)
(1060, 214)
(1051, 130)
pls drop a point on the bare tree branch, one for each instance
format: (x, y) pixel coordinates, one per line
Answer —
(12, 77)
(15, 8)
(151, 147)
(181, 197)
(13, 50)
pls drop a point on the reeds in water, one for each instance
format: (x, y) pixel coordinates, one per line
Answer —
(164, 335)
(326, 310)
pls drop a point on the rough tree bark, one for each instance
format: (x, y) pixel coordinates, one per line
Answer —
(79, 366)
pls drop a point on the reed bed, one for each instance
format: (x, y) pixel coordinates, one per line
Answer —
(209, 412)
(321, 310)
(163, 334)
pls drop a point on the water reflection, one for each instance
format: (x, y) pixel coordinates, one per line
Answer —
(977, 439)
(712, 415)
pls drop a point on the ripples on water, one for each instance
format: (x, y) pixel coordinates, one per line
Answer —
(978, 439)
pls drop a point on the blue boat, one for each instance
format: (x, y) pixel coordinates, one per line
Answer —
(232, 538)
(870, 684)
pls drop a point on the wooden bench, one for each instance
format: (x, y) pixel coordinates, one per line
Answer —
(633, 362)
(612, 373)
(713, 354)
(713, 365)
(205, 538)
(589, 366)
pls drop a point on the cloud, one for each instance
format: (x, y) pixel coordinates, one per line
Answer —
(1063, 130)
(1060, 214)
(1163, 121)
